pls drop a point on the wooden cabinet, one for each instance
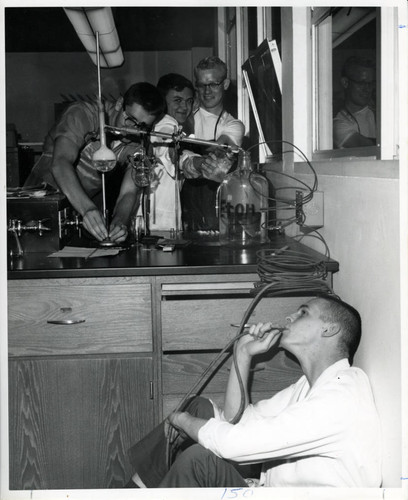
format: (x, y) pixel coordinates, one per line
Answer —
(96, 363)
(72, 420)
(81, 379)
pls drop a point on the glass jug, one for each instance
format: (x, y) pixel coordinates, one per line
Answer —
(243, 206)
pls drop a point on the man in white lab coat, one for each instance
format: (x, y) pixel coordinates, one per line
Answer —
(211, 122)
(321, 431)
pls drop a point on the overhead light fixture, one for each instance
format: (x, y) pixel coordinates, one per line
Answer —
(88, 21)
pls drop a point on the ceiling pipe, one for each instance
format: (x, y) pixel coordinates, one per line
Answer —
(87, 21)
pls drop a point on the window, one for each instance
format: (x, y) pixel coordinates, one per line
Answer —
(349, 83)
(313, 43)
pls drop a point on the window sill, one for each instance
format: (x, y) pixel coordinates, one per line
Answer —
(369, 153)
(351, 166)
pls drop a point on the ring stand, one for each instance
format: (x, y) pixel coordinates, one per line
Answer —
(107, 243)
(104, 159)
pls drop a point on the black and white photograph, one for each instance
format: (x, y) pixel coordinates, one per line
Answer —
(204, 250)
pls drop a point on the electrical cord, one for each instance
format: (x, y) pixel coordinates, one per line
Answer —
(282, 272)
(300, 216)
(173, 432)
(318, 236)
(301, 153)
(295, 274)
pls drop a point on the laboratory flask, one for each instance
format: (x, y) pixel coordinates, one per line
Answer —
(243, 206)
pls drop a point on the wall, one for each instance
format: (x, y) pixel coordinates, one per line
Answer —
(35, 81)
(361, 228)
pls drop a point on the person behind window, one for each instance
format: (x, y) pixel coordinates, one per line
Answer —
(355, 124)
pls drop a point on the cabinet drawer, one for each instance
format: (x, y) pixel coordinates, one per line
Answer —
(181, 372)
(206, 323)
(79, 316)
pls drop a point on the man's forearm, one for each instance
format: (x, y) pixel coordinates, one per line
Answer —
(261, 337)
(190, 165)
(233, 394)
(358, 140)
(187, 423)
(128, 200)
(69, 184)
(124, 207)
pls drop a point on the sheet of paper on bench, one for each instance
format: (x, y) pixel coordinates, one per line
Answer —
(85, 253)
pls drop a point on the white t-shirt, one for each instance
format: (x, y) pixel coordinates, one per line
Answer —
(206, 126)
(346, 124)
(211, 127)
(327, 435)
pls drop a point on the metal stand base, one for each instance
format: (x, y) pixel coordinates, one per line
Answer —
(107, 243)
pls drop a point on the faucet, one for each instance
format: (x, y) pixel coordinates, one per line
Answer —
(16, 227)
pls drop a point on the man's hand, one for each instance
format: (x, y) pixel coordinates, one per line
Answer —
(94, 223)
(118, 232)
(214, 167)
(261, 337)
(186, 424)
(175, 420)
(170, 425)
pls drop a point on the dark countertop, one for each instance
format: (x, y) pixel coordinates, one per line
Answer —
(203, 255)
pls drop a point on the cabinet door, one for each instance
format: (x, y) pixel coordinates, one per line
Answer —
(73, 420)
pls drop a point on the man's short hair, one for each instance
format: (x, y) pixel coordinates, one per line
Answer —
(212, 62)
(356, 62)
(147, 95)
(173, 81)
(349, 319)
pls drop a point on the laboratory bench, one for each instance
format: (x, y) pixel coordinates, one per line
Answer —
(101, 349)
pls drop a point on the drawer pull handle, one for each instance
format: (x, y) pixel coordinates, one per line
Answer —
(65, 321)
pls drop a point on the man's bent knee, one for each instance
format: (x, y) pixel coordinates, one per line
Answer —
(199, 467)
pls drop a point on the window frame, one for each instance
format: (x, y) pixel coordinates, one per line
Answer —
(321, 88)
(298, 96)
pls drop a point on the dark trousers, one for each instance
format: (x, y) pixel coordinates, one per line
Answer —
(194, 466)
(198, 201)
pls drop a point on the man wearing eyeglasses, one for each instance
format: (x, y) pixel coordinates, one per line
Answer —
(211, 122)
(66, 162)
(322, 431)
(355, 124)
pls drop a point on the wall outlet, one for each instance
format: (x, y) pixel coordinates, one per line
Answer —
(310, 214)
